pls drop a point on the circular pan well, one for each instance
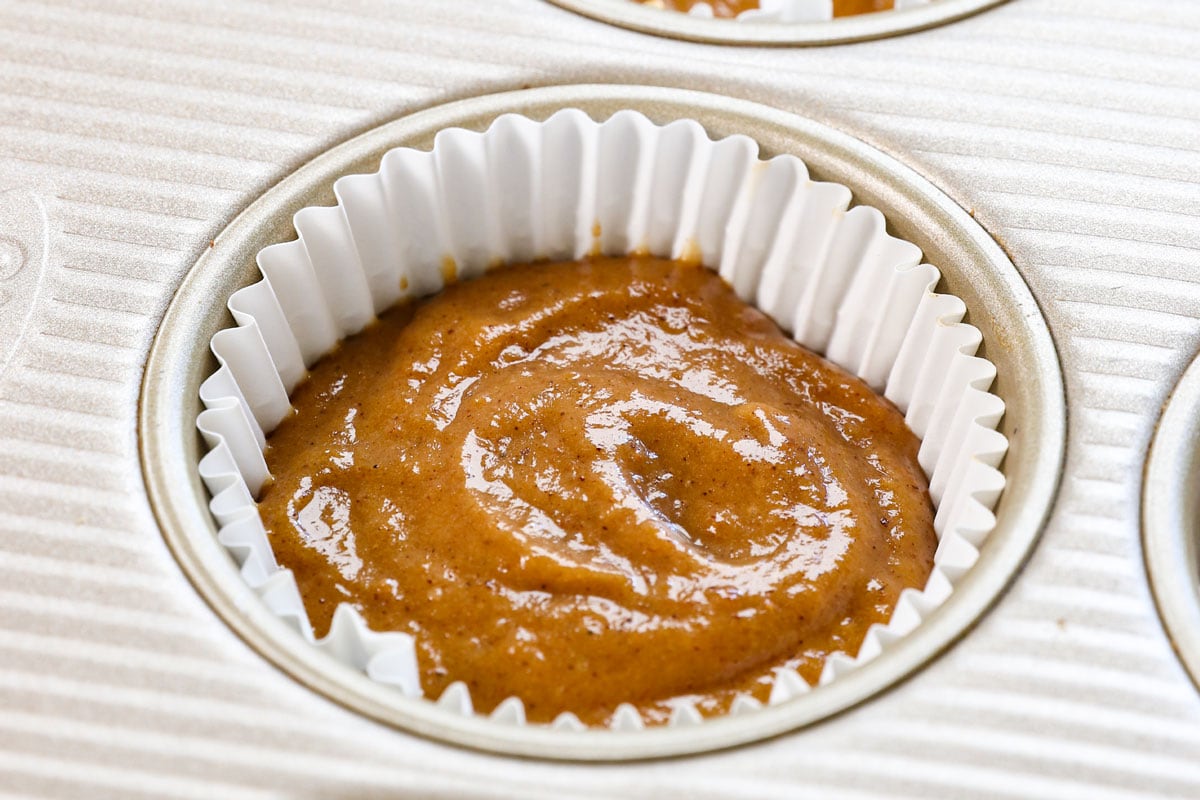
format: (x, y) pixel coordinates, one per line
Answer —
(1171, 519)
(862, 27)
(974, 267)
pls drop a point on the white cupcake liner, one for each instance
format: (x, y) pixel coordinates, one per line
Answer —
(526, 190)
(792, 10)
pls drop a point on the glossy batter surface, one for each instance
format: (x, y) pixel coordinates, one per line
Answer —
(731, 8)
(598, 482)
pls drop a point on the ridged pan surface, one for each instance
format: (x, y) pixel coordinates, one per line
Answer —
(133, 132)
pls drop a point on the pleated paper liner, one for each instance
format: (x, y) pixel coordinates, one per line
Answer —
(525, 190)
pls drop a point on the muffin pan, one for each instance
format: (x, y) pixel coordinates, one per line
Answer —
(676, 25)
(974, 268)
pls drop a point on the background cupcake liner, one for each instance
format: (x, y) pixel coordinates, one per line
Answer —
(562, 189)
(793, 10)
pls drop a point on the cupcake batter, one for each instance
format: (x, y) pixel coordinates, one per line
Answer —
(731, 8)
(597, 482)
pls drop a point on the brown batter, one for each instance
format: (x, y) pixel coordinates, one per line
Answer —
(731, 8)
(589, 483)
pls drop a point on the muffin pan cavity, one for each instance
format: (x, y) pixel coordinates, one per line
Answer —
(972, 268)
(1171, 519)
(779, 22)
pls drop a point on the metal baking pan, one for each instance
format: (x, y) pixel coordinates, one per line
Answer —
(132, 133)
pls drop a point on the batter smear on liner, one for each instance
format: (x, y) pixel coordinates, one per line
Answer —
(597, 482)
